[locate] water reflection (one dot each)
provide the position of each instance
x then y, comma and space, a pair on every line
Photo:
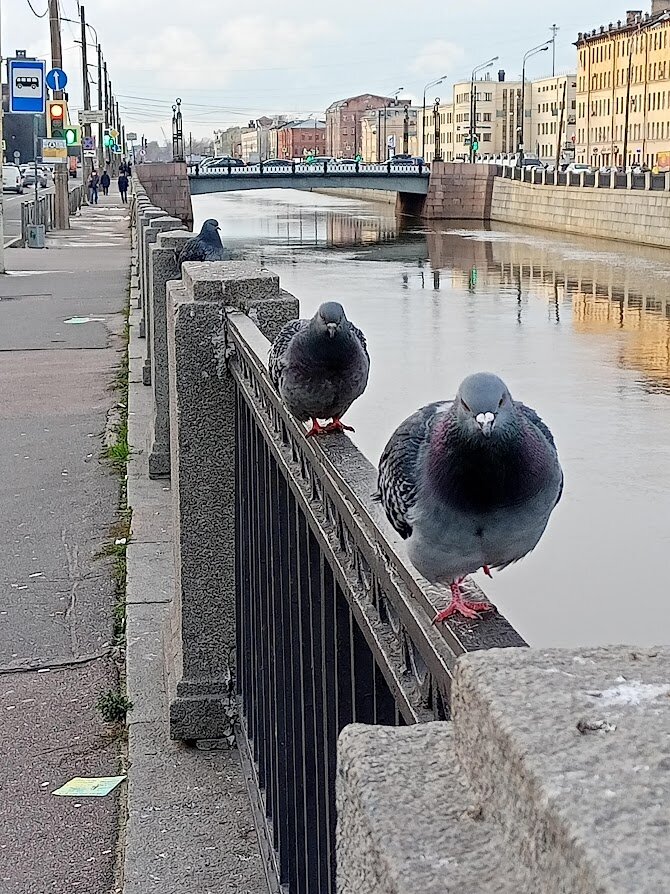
578, 328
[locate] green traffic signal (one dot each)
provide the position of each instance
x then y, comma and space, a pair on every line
70, 136
107, 139
475, 146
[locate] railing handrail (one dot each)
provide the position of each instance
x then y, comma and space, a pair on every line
320, 169
438, 648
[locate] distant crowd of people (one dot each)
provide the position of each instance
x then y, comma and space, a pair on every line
103, 181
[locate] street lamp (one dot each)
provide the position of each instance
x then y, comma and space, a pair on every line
423, 118
473, 101
541, 48
386, 107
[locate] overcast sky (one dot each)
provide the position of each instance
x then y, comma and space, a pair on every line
231, 61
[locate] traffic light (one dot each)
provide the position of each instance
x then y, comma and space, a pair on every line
72, 135
107, 139
475, 145
56, 117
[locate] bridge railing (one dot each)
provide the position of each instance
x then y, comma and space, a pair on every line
592, 179
316, 168
296, 613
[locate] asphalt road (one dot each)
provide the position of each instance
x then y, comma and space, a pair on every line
58, 502
12, 207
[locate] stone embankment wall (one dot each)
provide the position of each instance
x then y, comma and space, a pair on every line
166, 185
628, 215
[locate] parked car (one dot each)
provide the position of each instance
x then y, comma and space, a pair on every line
29, 178
576, 167
11, 178
277, 163
319, 159
346, 161
223, 161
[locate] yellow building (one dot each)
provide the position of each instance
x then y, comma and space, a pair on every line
388, 131
623, 90
553, 118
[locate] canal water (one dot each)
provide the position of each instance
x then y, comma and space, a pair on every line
579, 329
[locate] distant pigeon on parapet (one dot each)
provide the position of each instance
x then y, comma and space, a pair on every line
470, 484
206, 246
319, 367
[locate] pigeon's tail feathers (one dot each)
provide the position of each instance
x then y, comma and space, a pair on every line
401, 463
276, 357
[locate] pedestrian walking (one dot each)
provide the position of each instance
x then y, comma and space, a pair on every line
123, 187
93, 182
105, 182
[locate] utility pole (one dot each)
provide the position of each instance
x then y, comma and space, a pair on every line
107, 124
560, 125
86, 87
61, 205
554, 31
101, 127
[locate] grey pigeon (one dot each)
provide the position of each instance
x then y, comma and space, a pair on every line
206, 246
470, 484
320, 366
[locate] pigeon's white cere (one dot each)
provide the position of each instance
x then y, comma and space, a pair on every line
485, 418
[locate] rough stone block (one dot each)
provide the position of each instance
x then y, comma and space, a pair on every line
235, 281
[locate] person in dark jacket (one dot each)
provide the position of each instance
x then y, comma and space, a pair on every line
93, 182
105, 182
123, 187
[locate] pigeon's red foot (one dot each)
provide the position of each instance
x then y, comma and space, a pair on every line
487, 571
317, 429
458, 605
337, 425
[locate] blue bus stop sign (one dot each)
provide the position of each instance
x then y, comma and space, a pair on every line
56, 79
26, 86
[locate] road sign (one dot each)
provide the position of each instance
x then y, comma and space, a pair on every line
89, 154
132, 136
91, 116
113, 133
88, 144
55, 150
26, 86
56, 79
390, 142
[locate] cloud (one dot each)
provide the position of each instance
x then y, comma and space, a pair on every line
437, 58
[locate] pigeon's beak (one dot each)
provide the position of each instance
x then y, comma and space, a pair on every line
485, 421
332, 329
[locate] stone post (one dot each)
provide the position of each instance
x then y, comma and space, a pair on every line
156, 226
647, 180
145, 214
202, 443
163, 267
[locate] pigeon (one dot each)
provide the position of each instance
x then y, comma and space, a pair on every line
206, 246
470, 484
319, 367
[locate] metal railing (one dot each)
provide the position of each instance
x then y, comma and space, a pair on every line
45, 210
332, 626
336, 168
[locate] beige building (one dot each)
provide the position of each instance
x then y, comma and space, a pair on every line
553, 118
623, 90
497, 119
228, 142
249, 144
389, 131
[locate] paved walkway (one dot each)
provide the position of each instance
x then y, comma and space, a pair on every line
58, 503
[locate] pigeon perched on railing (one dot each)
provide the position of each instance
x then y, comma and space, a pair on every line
319, 367
470, 484
206, 246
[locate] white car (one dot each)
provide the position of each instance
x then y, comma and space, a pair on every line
576, 167
11, 179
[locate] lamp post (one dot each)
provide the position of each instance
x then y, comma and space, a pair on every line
386, 107
540, 48
473, 101
423, 115
437, 155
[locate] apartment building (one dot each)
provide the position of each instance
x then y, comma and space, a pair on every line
343, 123
301, 138
388, 131
623, 90
497, 119
552, 131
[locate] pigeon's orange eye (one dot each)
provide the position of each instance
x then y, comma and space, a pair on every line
465, 405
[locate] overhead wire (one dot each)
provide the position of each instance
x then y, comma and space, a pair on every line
38, 15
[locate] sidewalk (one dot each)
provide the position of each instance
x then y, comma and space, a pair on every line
190, 829
61, 325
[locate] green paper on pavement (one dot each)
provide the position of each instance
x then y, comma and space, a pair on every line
93, 786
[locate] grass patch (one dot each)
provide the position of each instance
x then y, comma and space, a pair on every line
113, 706
118, 452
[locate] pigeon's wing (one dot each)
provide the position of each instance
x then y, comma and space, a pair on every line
399, 466
192, 251
359, 335
276, 361
535, 419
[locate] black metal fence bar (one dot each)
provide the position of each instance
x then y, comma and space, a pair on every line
333, 628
